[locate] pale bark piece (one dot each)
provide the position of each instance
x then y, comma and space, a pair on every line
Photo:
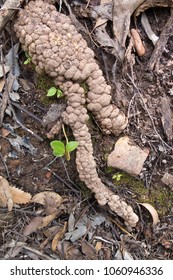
152, 211
167, 179
127, 156
166, 117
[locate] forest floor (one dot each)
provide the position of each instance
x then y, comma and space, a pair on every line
81, 228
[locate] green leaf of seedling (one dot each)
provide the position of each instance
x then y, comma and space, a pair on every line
52, 91
58, 148
59, 93
117, 176
27, 54
27, 61
71, 146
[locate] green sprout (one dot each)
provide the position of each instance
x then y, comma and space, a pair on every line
54, 91
117, 176
28, 58
60, 149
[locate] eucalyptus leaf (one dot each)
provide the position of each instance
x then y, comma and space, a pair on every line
71, 146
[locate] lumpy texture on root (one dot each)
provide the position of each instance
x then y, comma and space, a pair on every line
58, 49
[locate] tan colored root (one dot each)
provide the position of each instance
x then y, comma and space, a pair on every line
59, 50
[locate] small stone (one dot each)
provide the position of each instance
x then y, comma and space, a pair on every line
127, 156
167, 179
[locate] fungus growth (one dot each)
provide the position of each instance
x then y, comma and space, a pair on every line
58, 49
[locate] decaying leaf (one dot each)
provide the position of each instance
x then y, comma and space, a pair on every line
5, 194
10, 195
44, 197
58, 237
19, 196
48, 219
88, 250
152, 211
32, 226
98, 246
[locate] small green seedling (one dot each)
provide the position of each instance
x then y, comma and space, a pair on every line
54, 91
117, 176
60, 149
28, 58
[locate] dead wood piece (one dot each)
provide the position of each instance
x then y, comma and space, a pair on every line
166, 117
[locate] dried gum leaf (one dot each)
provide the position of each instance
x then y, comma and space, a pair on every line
152, 211
58, 237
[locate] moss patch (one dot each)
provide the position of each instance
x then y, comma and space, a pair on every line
44, 83
158, 196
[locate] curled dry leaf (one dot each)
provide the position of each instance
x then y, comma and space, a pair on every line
152, 211
5, 194
10, 195
137, 42
44, 197
46, 220
58, 236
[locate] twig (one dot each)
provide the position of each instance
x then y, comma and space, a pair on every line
63, 181
161, 43
145, 107
4, 163
21, 108
45, 257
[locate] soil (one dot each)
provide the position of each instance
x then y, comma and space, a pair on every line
148, 103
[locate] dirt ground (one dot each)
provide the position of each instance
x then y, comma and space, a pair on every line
96, 232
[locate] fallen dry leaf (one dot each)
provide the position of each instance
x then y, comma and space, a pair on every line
42, 197
89, 251
10, 195
98, 246
46, 220
32, 226
152, 211
58, 236
19, 196
5, 194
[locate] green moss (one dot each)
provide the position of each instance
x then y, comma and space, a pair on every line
158, 196
44, 83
